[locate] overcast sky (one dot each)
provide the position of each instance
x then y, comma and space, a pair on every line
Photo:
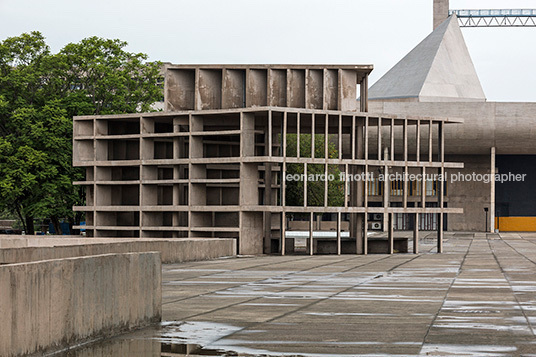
378, 32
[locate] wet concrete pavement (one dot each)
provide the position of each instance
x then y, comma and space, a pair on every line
478, 298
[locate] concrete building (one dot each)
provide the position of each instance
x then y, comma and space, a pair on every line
213, 164
438, 78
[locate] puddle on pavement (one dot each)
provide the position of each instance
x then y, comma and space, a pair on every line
177, 339
170, 339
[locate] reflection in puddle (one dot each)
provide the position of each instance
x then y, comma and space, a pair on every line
167, 339
177, 339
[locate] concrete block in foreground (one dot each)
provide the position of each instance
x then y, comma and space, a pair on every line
19, 249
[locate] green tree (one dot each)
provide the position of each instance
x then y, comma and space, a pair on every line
315, 189
40, 92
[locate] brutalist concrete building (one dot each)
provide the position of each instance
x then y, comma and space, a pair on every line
497, 138
214, 163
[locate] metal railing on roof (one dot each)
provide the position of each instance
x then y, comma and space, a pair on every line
496, 17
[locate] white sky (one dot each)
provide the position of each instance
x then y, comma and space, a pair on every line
378, 32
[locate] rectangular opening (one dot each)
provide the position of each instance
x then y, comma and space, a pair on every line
335, 186
118, 173
118, 195
305, 139
163, 125
349, 137
123, 127
215, 146
292, 129
127, 149
294, 188
163, 149
182, 124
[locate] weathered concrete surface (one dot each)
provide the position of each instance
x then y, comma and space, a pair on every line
478, 298
16, 249
506, 126
439, 69
49, 305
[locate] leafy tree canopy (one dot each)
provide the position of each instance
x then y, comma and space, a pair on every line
40, 92
315, 189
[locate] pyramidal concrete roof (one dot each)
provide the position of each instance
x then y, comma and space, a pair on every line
438, 69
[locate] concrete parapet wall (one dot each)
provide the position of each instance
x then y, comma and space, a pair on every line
49, 305
17, 250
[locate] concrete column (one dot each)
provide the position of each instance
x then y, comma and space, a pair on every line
363, 99
359, 192
365, 233
339, 233
386, 189
391, 236
492, 193
267, 201
311, 230
440, 232
416, 234
441, 12
359, 236
283, 231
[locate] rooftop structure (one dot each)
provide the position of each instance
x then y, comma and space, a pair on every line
330, 87
495, 138
437, 69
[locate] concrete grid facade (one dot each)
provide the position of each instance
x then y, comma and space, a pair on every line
212, 164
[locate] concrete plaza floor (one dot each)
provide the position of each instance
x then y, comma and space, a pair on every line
477, 298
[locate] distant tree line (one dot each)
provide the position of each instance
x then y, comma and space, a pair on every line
40, 92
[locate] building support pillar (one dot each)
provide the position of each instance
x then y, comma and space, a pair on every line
440, 232
339, 233
391, 235
492, 192
359, 237
283, 232
416, 234
311, 230
267, 201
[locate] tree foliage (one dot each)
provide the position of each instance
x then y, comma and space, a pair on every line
40, 92
315, 188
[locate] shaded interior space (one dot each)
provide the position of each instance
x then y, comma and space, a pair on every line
514, 199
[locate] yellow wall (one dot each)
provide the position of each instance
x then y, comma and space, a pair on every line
516, 224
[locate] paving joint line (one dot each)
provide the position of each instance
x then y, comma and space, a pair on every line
326, 298
511, 287
261, 280
446, 295
245, 268
304, 284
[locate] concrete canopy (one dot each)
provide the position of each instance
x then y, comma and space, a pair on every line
438, 69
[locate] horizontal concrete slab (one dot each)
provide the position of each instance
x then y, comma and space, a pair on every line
16, 249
